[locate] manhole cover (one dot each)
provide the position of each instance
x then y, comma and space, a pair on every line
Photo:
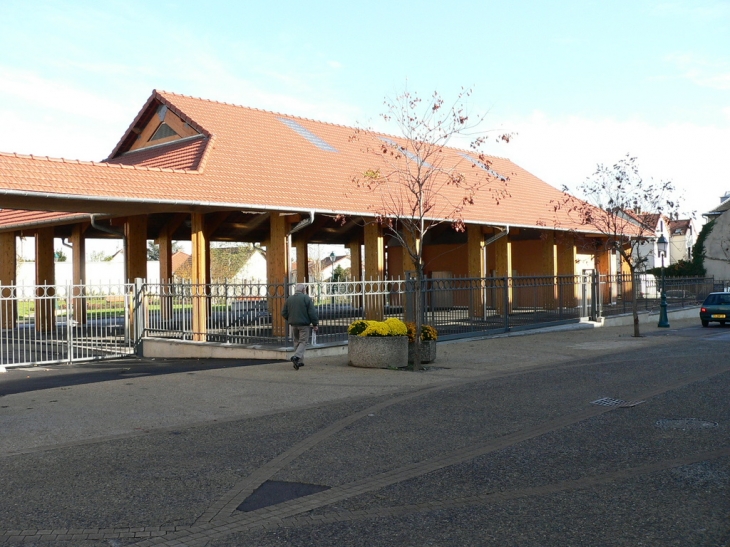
273, 492
685, 423
608, 401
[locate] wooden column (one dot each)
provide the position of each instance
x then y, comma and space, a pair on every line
302, 259
355, 260
374, 271
566, 256
475, 268
277, 270
135, 230
603, 268
548, 267
78, 244
199, 276
503, 259
45, 274
8, 276
164, 241
355, 268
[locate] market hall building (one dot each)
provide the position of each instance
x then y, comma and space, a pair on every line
203, 171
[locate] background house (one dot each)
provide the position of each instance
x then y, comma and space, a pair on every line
682, 237
717, 242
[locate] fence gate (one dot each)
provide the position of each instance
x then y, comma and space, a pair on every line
44, 324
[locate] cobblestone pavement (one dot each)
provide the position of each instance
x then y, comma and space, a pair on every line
565, 438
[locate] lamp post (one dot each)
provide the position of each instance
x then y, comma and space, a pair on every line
332, 275
662, 245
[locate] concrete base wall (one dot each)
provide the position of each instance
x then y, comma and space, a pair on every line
183, 349
650, 317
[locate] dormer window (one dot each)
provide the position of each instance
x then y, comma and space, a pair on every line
163, 132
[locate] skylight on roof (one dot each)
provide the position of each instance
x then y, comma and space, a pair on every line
411, 156
311, 137
482, 165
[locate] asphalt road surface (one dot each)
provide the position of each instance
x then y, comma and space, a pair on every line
567, 438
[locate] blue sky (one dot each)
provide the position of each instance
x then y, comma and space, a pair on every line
581, 82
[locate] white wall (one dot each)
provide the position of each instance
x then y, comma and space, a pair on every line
97, 273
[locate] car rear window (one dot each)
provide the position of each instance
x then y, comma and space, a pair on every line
715, 299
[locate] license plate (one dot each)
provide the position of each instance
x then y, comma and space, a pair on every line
718, 316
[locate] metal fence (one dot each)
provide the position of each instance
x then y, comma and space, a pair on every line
43, 324
52, 324
617, 292
242, 313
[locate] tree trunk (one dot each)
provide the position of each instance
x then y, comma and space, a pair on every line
417, 308
635, 303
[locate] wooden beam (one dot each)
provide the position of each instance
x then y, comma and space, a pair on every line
374, 271
503, 259
135, 230
475, 268
302, 249
78, 244
277, 269
8, 269
213, 221
45, 274
199, 277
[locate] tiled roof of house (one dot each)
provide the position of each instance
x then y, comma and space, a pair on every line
21, 218
679, 227
253, 158
184, 154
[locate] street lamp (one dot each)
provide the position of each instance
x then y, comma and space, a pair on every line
332, 275
662, 245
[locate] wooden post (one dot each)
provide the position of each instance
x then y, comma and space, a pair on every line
374, 271
45, 274
566, 256
503, 259
135, 230
78, 244
8, 268
165, 243
199, 277
355, 269
475, 268
548, 299
277, 270
302, 259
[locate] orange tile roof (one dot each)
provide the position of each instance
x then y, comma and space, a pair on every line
184, 154
253, 158
21, 218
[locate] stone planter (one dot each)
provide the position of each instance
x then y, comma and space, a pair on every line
428, 351
377, 351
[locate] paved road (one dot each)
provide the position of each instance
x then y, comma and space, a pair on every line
500, 443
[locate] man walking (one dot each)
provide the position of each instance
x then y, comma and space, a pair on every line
299, 312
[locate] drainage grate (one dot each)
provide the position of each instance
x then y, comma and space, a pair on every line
273, 492
608, 401
685, 423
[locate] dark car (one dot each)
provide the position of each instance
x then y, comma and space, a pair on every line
716, 307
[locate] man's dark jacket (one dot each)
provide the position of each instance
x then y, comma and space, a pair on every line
299, 310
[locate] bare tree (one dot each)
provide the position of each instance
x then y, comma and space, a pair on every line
419, 182
618, 201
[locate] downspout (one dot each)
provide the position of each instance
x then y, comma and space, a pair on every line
110, 230
302, 223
